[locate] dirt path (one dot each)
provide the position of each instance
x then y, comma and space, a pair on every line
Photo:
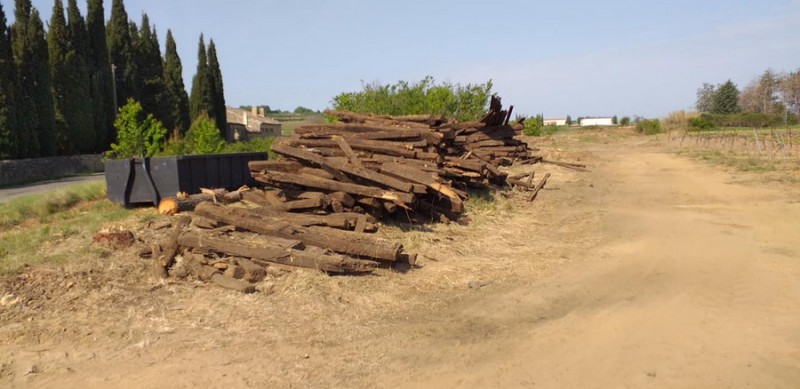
649, 271
696, 284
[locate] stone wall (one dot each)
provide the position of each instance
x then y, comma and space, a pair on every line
40, 169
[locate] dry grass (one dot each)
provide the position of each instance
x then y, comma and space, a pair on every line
56, 226
45, 206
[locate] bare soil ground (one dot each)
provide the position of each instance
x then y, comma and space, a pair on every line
650, 270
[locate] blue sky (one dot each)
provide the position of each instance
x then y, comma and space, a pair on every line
582, 58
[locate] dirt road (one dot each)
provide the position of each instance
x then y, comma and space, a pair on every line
649, 271
696, 284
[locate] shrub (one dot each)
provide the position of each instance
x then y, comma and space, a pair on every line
648, 126
535, 128
677, 121
253, 145
625, 121
462, 102
746, 119
137, 135
203, 137
699, 124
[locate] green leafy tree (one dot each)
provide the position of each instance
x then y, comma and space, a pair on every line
201, 98
203, 137
138, 134
100, 81
177, 100
625, 121
8, 77
36, 119
705, 97
726, 99
614, 120
569, 120
768, 85
303, 110
790, 91
121, 52
217, 88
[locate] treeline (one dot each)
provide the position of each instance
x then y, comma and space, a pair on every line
60, 89
462, 102
768, 100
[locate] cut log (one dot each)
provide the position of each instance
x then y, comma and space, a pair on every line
344, 221
173, 205
169, 247
340, 241
313, 258
344, 198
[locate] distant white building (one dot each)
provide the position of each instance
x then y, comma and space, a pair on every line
597, 122
555, 122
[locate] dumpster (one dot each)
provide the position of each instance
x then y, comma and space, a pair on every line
148, 180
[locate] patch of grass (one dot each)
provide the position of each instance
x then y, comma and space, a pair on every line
733, 160
45, 206
486, 202
648, 127
56, 236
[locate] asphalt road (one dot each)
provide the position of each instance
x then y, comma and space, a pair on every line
14, 192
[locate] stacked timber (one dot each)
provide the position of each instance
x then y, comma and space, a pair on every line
418, 167
234, 246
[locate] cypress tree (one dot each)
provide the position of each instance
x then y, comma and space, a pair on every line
58, 43
8, 78
100, 83
120, 50
43, 91
201, 100
177, 101
25, 134
36, 122
80, 112
218, 91
150, 70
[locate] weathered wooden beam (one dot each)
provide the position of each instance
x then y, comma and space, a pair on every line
340, 241
169, 247
338, 165
276, 166
334, 186
264, 251
344, 221
538, 187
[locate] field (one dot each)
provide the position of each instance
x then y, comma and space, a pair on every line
649, 269
774, 153
291, 121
